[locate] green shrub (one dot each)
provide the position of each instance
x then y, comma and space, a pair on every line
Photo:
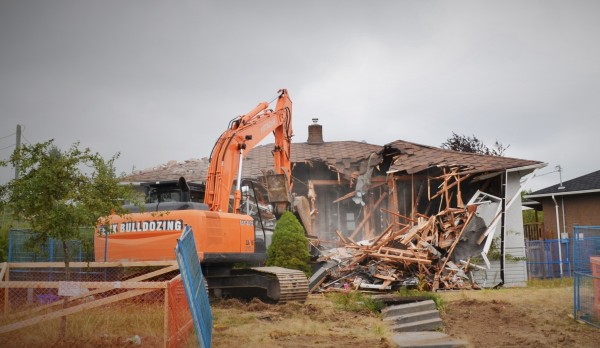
289, 248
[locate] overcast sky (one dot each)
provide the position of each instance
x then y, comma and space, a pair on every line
160, 80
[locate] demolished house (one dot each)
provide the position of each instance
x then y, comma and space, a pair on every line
403, 213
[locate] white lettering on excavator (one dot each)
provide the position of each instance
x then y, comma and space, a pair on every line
148, 226
246, 223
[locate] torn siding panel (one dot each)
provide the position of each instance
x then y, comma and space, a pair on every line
513, 274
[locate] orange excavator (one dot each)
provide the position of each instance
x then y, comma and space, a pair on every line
224, 232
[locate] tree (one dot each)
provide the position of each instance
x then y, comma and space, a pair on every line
59, 193
472, 144
290, 248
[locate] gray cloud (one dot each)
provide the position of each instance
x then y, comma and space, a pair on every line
158, 80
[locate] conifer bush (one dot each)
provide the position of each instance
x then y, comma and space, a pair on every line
289, 248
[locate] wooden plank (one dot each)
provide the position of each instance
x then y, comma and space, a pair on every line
416, 229
367, 216
385, 232
166, 335
410, 253
344, 197
98, 291
396, 250
3, 267
403, 258
342, 237
94, 285
391, 237
398, 215
384, 277
326, 182
72, 310
393, 198
6, 291
386, 284
447, 187
471, 214
92, 264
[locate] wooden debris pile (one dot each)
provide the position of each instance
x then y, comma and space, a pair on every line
417, 253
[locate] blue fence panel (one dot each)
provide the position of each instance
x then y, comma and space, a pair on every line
586, 298
195, 287
586, 244
51, 251
544, 260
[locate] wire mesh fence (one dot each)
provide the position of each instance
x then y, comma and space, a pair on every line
586, 244
586, 300
195, 287
94, 304
550, 258
52, 250
586, 282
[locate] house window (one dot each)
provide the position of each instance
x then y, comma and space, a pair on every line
350, 223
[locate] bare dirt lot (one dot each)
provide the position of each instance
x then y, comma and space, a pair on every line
317, 323
518, 317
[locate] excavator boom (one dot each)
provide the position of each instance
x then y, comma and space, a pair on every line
242, 135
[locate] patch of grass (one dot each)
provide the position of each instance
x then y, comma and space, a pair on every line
355, 301
550, 283
436, 298
107, 326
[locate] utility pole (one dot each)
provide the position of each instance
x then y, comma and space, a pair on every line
17, 148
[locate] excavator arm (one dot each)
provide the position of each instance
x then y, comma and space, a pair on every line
242, 135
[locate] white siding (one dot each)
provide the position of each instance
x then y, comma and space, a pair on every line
515, 269
513, 274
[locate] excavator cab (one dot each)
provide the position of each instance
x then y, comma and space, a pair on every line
173, 191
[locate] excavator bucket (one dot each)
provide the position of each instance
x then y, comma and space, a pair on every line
280, 197
278, 191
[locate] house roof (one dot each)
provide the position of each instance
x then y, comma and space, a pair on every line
193, 170
345, 157
588, 183
413, 158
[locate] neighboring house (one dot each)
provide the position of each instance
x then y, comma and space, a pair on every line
575, 202
359, 189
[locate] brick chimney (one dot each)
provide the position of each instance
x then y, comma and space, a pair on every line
315, 133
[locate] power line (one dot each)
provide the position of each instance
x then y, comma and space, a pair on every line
26, 140
4, 148
554, 171
6, 136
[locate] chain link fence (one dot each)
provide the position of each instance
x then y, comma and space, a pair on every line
21, 250
586, 283
94, 304
546, 260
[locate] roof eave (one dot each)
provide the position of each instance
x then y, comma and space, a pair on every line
529, 167
568, 193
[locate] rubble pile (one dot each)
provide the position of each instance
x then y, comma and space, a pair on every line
418, 253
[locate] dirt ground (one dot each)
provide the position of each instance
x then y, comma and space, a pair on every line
316, 323
518, 317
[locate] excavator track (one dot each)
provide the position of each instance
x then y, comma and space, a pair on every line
293, 284
270, 284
